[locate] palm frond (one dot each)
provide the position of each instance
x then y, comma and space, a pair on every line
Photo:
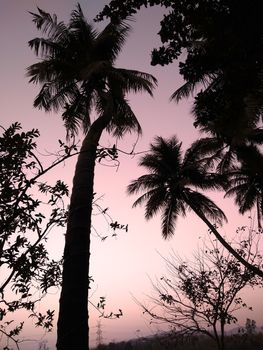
48, 24
44, 47
227, 161
164, 159
110, 41
247, 199
207, 80
205, 205
174, 208
42, 100
133, 81
123, 120
168, 153
62, 94
77, 114
207, 151
245, 192
207, 181
83, 31
144, 182
236, 188
184, 91
43, 20
152, 163
155, 202
169, 218
143, 199
41, 72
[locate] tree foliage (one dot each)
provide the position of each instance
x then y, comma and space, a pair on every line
202, 296
77, 72
30, 209
221, 42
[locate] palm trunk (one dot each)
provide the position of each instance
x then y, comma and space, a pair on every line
259, 215
212, 228
73, 331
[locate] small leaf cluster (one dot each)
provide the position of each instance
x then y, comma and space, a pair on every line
101, 308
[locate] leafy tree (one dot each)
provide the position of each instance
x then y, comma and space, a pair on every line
26, 221
77, 74
202, 296
222, 46
250, 326
30, 210
170, 187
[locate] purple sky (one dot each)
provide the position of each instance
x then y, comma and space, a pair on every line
120, 266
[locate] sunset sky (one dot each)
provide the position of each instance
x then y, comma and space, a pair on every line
120, 266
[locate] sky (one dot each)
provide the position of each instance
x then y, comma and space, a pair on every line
120, 266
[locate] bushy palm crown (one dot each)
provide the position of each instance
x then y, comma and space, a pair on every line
220, 153
77, 72
246, 181
171, 185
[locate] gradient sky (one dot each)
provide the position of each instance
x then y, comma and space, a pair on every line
120, 266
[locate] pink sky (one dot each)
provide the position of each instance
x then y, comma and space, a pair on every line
120, 266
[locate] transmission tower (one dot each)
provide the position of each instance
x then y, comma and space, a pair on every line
99, 337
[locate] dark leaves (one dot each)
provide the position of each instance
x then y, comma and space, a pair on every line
169, 186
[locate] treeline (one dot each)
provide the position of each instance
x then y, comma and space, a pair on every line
169, 341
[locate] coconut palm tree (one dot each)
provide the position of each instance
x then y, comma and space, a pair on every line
170, 186
220, 152
246, 181
77, 75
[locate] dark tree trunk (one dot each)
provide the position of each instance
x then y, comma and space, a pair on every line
259, 215
212, 228
73, 331
222, 335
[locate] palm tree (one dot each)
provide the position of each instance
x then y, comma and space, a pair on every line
76, 73
171, 187
246, 181
221, 152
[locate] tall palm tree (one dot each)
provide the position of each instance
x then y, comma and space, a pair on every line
246, 181
170, 186
77, 75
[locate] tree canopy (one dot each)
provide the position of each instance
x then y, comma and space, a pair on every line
222, 44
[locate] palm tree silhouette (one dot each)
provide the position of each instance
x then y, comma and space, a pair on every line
246, 181
221, 151
171, 187
76, 73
